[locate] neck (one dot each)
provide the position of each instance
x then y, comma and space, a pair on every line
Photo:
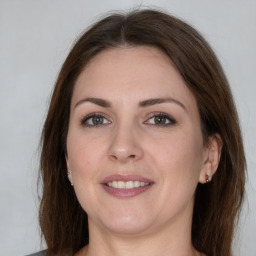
168, 240
139, 246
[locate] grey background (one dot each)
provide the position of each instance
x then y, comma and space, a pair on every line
35, 37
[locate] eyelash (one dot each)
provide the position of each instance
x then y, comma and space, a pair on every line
171, 120
84, 121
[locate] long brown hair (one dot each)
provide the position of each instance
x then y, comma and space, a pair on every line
217, 204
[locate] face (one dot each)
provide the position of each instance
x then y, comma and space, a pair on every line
134, 146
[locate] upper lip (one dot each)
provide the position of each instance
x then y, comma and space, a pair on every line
125, 177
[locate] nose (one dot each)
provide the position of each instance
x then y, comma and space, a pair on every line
125, 145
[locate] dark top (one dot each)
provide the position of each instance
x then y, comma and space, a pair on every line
41, 253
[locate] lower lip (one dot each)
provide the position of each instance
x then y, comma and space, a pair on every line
126, 193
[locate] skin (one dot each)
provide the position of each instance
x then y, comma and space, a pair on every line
129, 140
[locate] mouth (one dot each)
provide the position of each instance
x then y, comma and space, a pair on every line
126, 186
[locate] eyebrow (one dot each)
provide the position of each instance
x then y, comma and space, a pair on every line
150, 102
100, 102
144, 103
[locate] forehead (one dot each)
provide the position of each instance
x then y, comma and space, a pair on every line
124, 61
130, 52
131, 73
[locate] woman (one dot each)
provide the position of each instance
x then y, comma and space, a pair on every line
141, 148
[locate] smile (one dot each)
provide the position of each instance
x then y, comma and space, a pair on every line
127, 184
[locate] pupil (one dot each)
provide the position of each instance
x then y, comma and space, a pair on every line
97, 120
160, 120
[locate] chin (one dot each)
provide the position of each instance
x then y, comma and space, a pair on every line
127, 225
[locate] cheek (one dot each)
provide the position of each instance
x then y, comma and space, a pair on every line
81, 148
179, 156
84, 163
82, 158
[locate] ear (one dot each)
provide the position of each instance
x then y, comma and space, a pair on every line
69, 173
212, 154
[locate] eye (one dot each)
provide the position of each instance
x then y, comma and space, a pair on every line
161, 119
94, 120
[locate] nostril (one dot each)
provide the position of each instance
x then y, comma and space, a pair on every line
114, 157
120, 157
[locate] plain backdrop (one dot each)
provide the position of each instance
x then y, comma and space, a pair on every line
35, 37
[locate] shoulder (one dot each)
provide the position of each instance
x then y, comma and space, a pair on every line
41, 253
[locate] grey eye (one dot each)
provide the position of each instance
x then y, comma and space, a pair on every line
161, 120
95, 120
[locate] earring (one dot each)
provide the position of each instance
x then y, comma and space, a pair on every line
70, 179
208, 178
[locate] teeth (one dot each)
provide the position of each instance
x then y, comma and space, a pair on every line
136, 184
127, 184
